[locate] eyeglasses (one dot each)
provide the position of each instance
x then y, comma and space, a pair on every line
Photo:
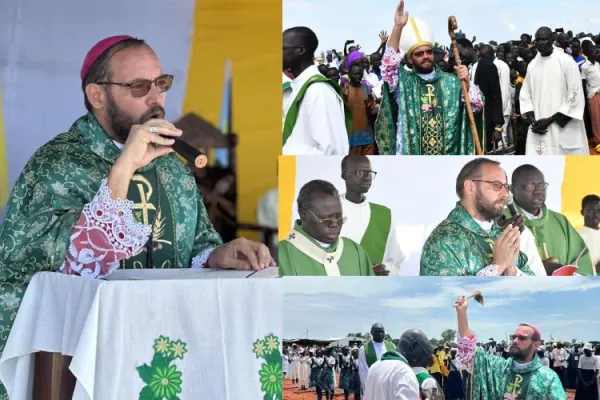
530, 187
420, 54
329, 221
141, 87
496, 185
363, 173
521, 338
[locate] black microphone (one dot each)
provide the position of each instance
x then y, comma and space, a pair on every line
512, 209
190, 153
511, 205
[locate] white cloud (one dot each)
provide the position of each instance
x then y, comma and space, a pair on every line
301, 5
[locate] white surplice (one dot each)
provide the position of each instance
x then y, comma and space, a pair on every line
591, 237
504, 75
363, 367
320, 127
391, 380
553, 84
355, 227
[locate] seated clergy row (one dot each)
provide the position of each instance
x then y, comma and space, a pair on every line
346, 235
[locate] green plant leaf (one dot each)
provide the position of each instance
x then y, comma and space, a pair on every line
274, 357
145, 372
160, 361
147, 394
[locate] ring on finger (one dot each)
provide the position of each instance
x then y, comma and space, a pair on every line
509, 245
153, 129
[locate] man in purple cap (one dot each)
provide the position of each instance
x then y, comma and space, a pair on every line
110, 193
521, 376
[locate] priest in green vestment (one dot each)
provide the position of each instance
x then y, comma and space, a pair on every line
315, 247
372, 351
422, 111
520, 377
470, 241
369, 224
110, 193
556, 239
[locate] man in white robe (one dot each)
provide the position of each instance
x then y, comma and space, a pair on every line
372, 351
590, 209
389, 379
314, 111
369, 224
504, 75
552, 100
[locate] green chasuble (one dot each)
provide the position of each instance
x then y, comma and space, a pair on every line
375, 239
292, 115
63, 176
459, 246
556, 237
301, 255
432, 117
371, 354
493, 377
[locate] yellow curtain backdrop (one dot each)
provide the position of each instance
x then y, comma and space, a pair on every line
249, 33
287, 193
4, 190
579, 181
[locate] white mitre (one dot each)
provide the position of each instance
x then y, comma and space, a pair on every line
416, 33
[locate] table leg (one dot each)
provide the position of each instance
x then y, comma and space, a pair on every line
53, 380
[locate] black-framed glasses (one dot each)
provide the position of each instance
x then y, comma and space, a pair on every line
363, 173
530, 187
141, 87
496, 185
329, 221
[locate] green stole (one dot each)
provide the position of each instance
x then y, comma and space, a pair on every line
493, 377
301, 255
421, 376
393, 355
374, 241
152, 207
460, 246
371, 354
555, 237
292, 114
433, 118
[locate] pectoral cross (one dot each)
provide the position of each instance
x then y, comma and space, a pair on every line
514, 387
491, 243
430, 93
144, 205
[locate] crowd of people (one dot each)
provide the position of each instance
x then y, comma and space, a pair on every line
409, 368
536, 95
344, 234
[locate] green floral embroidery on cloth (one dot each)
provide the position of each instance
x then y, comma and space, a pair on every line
163, 380
271, 373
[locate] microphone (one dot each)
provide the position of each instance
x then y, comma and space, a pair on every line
190, 153
511, 205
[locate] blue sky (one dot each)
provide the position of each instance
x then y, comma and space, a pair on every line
335, 21
563, 308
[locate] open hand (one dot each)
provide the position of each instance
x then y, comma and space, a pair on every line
401, 17
241, 254
383, 36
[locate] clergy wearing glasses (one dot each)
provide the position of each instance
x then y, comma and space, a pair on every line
110, 193
368, 223
558, 243
470, 241
315, 247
